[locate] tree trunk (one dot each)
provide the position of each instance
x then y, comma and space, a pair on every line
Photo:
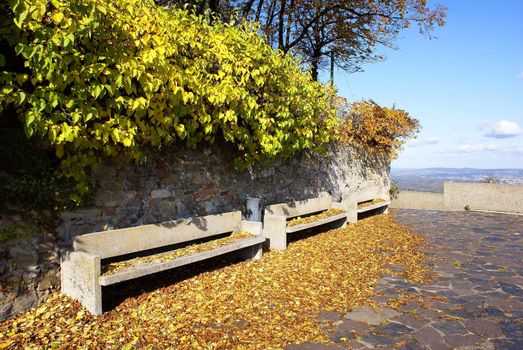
315, 64
281, 24
247, 9
268, 23
259, 10
214, 6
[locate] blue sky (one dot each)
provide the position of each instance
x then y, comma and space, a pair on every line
466, 87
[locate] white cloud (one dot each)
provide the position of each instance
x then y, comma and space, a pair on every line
423, 142
476, 147
504, 129
520, 75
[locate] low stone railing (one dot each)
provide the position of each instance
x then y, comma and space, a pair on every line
507, 198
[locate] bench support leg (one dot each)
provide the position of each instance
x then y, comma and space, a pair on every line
257, 252
79, 274
274, 229
352, 216
352, 211
253, 253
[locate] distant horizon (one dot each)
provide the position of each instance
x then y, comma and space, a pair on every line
433, 179
465, 87
449, 167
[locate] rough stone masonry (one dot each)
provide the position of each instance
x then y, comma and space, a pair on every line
181, 183
174, 183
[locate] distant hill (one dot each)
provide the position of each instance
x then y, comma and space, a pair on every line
432, 179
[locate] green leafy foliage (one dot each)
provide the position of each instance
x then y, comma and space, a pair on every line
394, 190
101, 78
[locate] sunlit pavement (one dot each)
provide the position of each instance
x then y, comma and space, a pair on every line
474, 302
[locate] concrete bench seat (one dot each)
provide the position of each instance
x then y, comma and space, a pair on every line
139, 270
275, 219
373, 207
81, 269
367, 195
319, 222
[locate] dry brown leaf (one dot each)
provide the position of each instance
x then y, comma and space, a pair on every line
299, 220
264, 304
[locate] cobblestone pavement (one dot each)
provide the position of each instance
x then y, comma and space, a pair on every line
475, 302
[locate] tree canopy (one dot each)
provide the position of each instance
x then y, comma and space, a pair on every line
109, 77
99, 78
352, 30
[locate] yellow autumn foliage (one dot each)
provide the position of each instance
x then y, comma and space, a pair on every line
380, 130
105, 77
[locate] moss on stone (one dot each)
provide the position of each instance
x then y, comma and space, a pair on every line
10, 233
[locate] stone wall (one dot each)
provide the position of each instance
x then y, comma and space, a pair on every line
506, 198
29, 262
484, 196
419, 200
181, 183
172, 184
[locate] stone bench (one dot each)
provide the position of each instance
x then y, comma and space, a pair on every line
276, 216
81, 269
367, 195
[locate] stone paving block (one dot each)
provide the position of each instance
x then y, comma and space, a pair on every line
349, 329
512, 328
376, 340
330, 316
428, 336
464, 313
381, 299
484, 328
457, 340
354, 345
313, 346
370, 315
412, 345
429, 314
392, 329
440, 346
511, 289
413, 321
506, 304
450, 327
409, 306
508, 344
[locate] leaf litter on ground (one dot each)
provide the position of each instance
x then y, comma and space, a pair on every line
263, 304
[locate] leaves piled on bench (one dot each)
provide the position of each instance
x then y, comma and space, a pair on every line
369, 203
263, 304
299, 220
173, 254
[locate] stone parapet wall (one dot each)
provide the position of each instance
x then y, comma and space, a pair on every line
506, 198
181, 183
484, 196
418, 200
